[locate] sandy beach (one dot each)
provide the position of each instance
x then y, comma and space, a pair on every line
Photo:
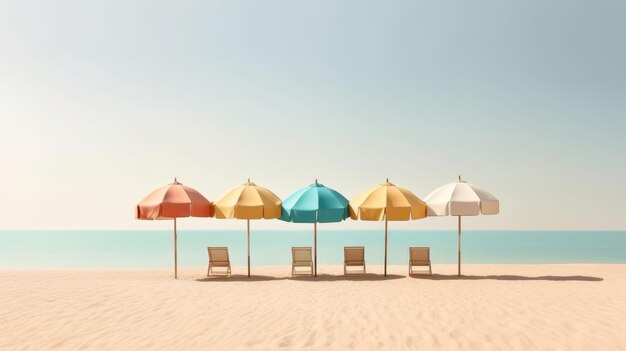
493, 307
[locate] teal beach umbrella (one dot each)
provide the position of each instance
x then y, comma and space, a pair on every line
315, 204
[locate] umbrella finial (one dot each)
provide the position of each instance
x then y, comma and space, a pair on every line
176, 181
387, 181
248, 180
316, 181
460, 178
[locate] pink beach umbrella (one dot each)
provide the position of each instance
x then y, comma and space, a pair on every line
174, 201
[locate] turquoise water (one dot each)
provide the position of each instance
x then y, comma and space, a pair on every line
136, 249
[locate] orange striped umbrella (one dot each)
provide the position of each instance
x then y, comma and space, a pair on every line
174, 201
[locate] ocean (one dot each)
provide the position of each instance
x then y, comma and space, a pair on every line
36, 249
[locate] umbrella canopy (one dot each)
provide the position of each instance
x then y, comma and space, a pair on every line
315, 204
461, 199
174, 201
389, 203
248, 201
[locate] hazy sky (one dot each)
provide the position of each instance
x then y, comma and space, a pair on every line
103, 101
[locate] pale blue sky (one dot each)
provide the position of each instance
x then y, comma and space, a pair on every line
103, 101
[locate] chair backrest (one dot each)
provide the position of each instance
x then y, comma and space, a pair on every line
218, 254
419, 254
301, 254
354, 253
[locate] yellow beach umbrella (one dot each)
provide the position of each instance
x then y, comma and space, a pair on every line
389, 203
248, 201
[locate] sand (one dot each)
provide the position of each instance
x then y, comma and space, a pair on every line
494, 307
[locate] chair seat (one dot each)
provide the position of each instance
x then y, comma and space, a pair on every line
302, 263
220, 264
219, 269
360, 270
306, 269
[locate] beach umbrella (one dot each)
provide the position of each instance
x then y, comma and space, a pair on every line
389, 203
248, 201
315, 204
174, 201
461, 199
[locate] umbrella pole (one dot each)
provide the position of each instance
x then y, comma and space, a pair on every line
385, 246
248, 248
315, 245
459, 258
175, 253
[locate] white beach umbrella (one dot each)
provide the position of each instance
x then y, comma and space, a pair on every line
461, 199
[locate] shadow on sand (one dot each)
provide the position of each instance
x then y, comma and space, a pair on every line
319, 278
333, 278
556, 278
380, 277
240, 278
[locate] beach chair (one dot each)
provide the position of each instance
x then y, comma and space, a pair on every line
219, 263
419, 257
354, 256
301, 261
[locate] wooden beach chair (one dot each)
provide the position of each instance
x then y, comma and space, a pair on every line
354, 256
419, 257
301, 261
219, 263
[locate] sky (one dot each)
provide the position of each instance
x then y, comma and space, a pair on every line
103, 101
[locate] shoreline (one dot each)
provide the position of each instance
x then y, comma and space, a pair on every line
373, 269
